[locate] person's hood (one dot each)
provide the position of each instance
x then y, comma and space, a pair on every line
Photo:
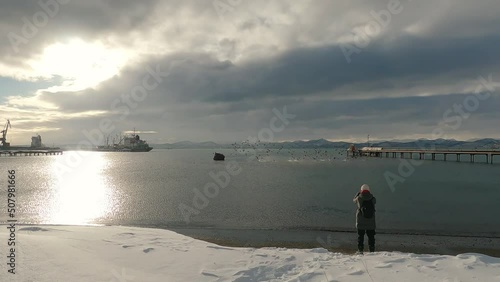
366, 195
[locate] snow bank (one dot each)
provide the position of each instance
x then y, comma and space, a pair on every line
127, 254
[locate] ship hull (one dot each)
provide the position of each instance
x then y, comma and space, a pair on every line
123, 149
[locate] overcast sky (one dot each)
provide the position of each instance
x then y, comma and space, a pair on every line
74, 70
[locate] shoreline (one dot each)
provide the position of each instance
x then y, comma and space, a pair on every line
346, 242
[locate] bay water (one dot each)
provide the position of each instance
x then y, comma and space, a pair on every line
295, 189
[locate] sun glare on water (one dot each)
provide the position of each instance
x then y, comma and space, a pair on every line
82, 194
80, 64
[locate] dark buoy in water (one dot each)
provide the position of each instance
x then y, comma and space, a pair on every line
219, 157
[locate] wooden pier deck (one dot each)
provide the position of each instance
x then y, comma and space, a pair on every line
424, 154
30, 152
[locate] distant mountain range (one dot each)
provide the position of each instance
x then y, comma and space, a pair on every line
187, 145
486, 143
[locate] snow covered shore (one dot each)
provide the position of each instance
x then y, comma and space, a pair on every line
127, 254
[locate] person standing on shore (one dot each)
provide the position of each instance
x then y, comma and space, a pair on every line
365, 217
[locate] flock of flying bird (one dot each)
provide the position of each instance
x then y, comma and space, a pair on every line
265, 151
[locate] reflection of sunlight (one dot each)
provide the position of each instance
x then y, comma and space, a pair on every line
82, 194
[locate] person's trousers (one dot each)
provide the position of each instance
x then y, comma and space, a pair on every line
361, 239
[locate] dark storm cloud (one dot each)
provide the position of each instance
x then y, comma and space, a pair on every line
309, 71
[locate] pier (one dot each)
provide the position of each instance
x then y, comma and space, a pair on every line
12, 153
427, 154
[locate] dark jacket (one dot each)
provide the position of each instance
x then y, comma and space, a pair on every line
362, 222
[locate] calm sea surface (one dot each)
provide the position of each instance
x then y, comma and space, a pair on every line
287, 190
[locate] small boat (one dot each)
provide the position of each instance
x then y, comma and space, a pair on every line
219, 157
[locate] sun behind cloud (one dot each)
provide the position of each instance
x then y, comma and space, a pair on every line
81, 64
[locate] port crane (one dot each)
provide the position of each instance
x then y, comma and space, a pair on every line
3, 140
